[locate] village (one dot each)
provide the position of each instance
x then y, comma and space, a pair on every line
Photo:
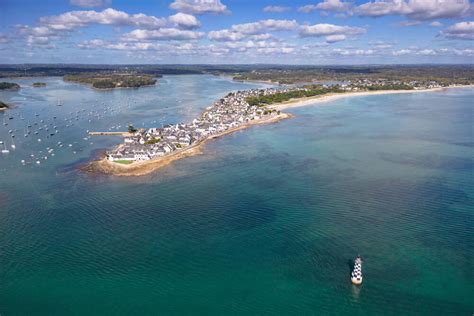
229, 112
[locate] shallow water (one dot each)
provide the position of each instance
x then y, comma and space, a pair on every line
266, 221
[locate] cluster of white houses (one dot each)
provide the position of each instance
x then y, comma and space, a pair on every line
228, 112
364, 84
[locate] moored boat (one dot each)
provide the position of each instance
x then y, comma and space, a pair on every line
356, 275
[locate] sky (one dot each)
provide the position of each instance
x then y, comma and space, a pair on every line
326, 32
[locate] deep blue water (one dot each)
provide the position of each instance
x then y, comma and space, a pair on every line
266, 221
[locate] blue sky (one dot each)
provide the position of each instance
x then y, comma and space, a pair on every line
237, 31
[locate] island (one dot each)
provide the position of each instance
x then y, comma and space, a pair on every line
39, 84
9, 86
146, 150
112, 81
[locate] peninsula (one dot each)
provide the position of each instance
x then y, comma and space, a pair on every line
146, 150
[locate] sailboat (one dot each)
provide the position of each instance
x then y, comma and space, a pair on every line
59, 103
5, 151
13, 144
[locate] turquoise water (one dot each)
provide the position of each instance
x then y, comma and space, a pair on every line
266, 221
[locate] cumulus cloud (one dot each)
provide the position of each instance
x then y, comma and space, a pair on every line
307, 8
276, 9
256, 29
324, 29
333, 5
162, 34
74, 19
415, 9
327, 6
461, 30
463, 52
199, 6
91, 3
353, 52
335, 38
269, 25
185, 21
37, 36
333, 33
226, 36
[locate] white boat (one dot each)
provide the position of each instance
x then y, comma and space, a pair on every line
5, 151
356, 275
13, 144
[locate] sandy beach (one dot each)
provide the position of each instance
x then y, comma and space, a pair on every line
140, 168
335, 96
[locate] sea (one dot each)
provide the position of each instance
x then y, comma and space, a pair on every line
266, 221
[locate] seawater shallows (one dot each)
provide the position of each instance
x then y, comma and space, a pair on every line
266, 221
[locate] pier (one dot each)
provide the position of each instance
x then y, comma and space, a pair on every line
124, 134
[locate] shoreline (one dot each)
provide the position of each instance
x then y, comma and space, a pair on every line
104, 166
107, 167
336, 96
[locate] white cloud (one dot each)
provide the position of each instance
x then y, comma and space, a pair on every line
185, 21
381, 45
162, 34
436, 24
333, 5
408, 23
276, 50
276, 9
335, 38
415, 9
253, 30
353, 52
265, 26
74, 19
402, 52
464, 52
225, 35
461, 30
91, 3
307, 8
199, 6
329, 29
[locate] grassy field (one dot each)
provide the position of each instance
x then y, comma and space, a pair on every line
124, 162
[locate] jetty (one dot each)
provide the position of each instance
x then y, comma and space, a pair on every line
124, 134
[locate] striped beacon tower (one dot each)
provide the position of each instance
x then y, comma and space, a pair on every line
356, 275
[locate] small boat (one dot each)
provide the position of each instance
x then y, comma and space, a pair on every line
5, 151
356, 275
